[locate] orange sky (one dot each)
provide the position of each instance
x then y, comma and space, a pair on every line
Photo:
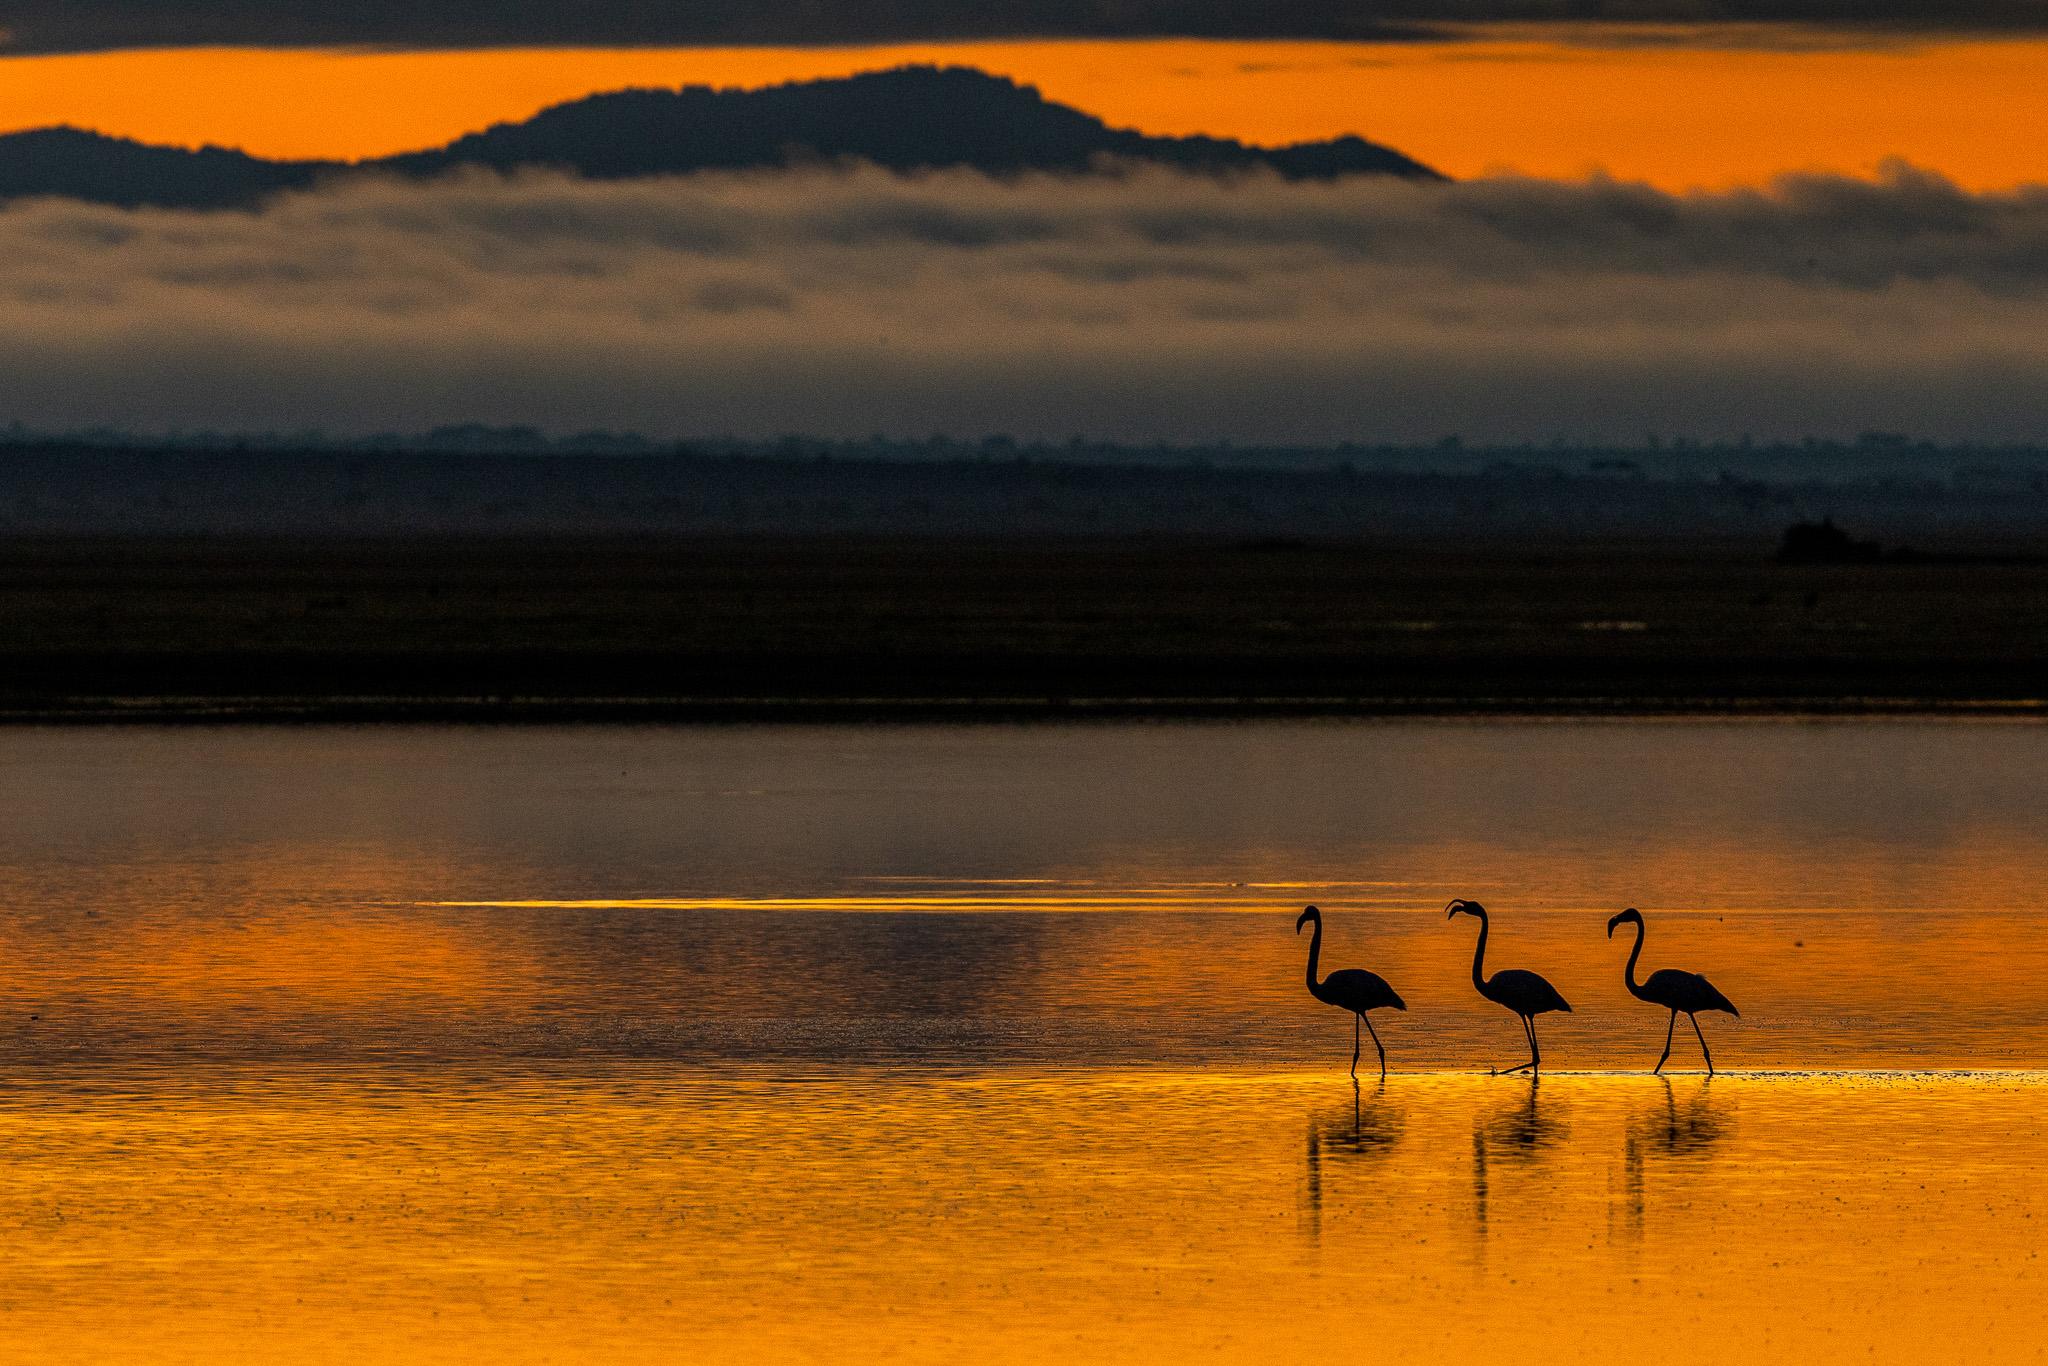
1676, 116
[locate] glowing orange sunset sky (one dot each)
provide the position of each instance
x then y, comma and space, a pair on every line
1677, 116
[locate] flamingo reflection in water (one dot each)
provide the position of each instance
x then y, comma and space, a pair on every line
1518, 1133
1667, 1132
1368, 1131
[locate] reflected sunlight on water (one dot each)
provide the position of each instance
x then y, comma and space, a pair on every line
641, 1215
770, 1044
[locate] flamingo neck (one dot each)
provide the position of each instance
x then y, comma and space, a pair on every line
1315, 949
1479, 956
1628, 975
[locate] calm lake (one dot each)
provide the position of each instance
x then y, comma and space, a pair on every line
926, 1042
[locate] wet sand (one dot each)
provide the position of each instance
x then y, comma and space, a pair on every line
821, 627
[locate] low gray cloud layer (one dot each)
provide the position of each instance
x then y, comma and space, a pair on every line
84, 25
1152, 306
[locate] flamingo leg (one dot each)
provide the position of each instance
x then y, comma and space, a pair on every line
1667, 1045
1702, 1038
1528, 1033
1535, 1053
1376, 1044
1355, 1018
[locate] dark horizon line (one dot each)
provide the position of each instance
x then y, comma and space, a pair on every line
514, 439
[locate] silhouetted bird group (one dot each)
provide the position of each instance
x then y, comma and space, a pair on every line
1525, 993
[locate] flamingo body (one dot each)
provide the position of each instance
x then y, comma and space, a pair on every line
1525, 993
1686, 991
1357, 990
1352, 989
1676, 991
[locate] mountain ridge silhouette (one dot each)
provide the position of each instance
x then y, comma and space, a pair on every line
904, 119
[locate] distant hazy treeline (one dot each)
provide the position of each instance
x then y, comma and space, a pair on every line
517, 481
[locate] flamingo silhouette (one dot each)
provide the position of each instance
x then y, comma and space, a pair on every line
1352, 989
1672, 989
1522, 992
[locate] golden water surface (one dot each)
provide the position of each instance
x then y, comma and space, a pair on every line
921, 1044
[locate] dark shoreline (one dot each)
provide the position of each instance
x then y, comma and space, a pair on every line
545, 630
197, 713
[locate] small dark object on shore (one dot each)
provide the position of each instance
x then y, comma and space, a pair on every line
1823, 542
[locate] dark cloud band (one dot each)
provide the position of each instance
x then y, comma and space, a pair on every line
1151, 306
86, 25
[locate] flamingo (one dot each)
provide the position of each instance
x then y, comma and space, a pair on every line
1522, 992
1352, 989
1672, 989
